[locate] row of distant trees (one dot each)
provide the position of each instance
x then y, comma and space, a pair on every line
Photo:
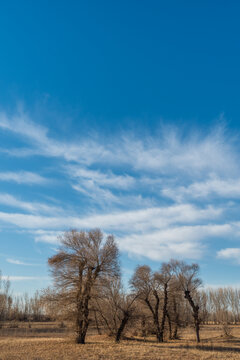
88, 289
19, 308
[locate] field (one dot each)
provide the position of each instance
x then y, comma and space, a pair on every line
53, 341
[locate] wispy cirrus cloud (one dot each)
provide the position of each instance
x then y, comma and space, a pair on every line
21, 124
95, 192
24, 278
150, 189
156, 233
213, 186
170, 153
19, 262
138, 220
94, 166
32, 207
167, 153
103, 179
23, 177
42, 144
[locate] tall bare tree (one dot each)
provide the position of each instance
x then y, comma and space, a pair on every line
163, 278
145, 287
189, 281
83, 258
152, 289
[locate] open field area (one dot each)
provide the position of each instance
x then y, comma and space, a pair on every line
49, 341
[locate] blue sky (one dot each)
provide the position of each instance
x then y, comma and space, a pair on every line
124, 116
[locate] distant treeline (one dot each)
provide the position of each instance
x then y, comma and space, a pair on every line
21, 307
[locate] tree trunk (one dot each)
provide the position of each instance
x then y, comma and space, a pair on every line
195, 309
176, 319
80, 339
97, 325
82, 324
159, 334
155, 317
164, 314
175, 333
143, 327
82, 320
169, 326
122, 326
81, 330
197, 326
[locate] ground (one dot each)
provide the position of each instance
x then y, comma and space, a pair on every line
51, 342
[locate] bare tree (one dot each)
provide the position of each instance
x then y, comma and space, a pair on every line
163, 278
145, 287
189, 282
152, 289
175, 311
115, 307
83, 258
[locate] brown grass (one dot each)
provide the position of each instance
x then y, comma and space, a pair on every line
60, 346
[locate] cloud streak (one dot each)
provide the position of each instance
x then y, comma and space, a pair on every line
157, 233
32, 207
19, 262
217, 187
24, 278
23, 177
138, 220
168, 153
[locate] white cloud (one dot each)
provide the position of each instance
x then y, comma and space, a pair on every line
24, 278
19, 262
22, 177
26, 221
230, 254
183, 168
32, 207
223, 188
42, 144
107, 179
138, 220
167, 153
156, 233
21, 124
175, 242
46, 236
96, 184
171, 153
93, 191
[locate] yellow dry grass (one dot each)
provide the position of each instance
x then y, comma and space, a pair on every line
213, 346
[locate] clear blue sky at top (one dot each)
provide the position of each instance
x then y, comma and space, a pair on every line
118, 60
120, 85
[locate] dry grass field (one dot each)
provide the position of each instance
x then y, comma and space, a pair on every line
48, 341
